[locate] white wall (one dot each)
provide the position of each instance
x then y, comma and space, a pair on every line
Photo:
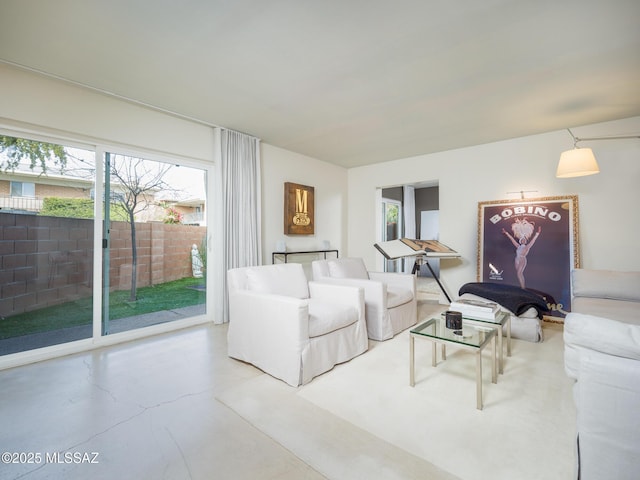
609, 228
35, 106
46, 105
330, 187
33, 103
608, 219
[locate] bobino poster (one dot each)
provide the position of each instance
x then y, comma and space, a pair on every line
532, 244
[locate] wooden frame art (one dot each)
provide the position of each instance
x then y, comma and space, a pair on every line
298, 209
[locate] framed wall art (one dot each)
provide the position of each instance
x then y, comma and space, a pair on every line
298, 209
531, 243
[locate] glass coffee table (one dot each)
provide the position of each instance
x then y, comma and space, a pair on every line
473, 337
503, 318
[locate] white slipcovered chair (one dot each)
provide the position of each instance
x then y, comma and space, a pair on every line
290, 328
390, 298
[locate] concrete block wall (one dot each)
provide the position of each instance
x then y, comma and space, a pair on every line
46, 261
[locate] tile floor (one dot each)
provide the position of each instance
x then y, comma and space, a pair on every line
148, 410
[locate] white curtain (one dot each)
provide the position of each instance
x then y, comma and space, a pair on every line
238, 241
409, 212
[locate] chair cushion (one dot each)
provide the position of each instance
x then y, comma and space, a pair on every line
398, 296
348, 268
284, 279
326, 317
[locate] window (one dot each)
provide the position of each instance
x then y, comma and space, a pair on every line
114, 196
23, 189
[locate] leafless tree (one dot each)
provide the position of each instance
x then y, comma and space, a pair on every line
137, 181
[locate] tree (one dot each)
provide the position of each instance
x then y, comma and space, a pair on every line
77, 208
138, 179
15, 149
172, 216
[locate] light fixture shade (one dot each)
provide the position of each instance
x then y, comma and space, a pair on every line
577, 163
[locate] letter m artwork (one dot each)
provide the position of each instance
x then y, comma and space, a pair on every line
298, 209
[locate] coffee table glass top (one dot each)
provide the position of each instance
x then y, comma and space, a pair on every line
471, 335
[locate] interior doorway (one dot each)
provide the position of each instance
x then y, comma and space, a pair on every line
391, 216
396, 212
428, 222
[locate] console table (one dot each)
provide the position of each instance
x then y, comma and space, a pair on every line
301, 252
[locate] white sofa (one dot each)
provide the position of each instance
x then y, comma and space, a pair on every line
391, 304
602, 353
290, 328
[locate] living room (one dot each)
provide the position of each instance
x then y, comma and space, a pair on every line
49, 107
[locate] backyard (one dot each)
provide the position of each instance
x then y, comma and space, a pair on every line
166, 296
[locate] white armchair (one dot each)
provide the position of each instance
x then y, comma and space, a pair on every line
292, 329
390, 298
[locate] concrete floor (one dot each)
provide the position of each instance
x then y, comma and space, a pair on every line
148, 409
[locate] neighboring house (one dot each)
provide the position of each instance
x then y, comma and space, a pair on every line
24, 191
190, 208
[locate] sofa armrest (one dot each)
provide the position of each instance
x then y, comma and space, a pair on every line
403, 280
343, 293
374, 291
270, 332
277, 315
588, 332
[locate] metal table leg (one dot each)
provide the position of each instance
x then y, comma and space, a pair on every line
412, 366
479, 379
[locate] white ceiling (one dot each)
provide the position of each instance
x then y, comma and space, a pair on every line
350, 82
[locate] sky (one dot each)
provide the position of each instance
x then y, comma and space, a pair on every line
186, 182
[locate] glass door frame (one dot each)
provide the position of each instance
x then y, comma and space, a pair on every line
97, 339
99, 241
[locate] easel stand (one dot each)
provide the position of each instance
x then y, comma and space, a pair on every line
416, 269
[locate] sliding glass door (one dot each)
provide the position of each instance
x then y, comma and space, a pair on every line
46, 244
149, 243
154, 243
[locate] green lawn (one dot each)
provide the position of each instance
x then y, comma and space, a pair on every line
166, 296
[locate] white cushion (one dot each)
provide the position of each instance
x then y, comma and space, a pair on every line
602, 334
526, 326
284, 279
606, 284
621, 310
398, 296
529, 313
325, 317
348, 268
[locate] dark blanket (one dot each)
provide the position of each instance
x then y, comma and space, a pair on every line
512, 298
